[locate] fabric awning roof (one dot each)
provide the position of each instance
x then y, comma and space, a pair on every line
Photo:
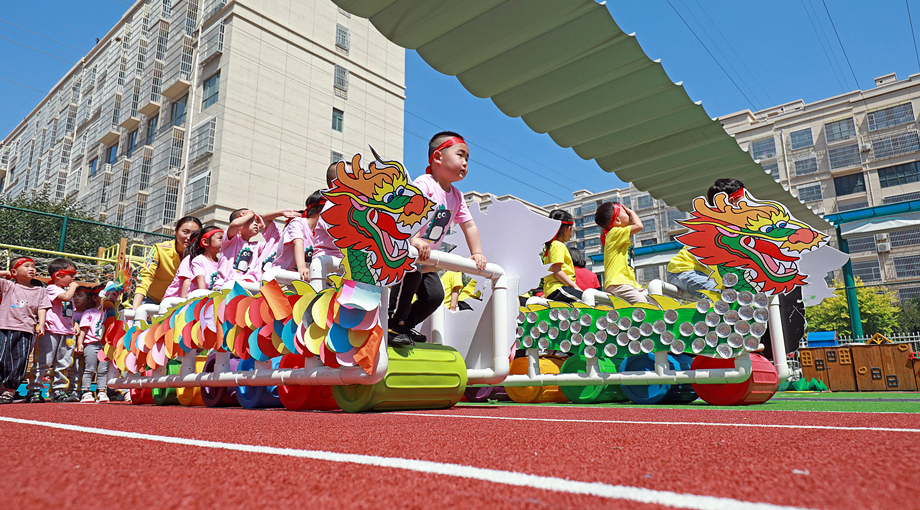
568, 70
880, 225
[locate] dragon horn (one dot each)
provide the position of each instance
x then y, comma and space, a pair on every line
380, 160
376, 155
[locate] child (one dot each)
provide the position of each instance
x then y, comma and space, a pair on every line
559, 284
240, 257
584, 278
183, 274
448, 156
89, 344
204, 253
297, 238
81, 301
455, 292
619, 224
23, 307
54, 349
687, 273
323, 244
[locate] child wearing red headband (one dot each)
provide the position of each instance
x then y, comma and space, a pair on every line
448, 155
687, 273
23, 307
241, 258
559, 284
620, 223
54, 349
297, 238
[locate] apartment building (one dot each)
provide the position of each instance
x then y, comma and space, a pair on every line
205, 106
855, 150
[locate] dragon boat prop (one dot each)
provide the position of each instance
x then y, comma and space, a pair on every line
321, 344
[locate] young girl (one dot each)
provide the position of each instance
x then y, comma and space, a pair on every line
204, 253
297, 238
22, 318
89, 343
560, 284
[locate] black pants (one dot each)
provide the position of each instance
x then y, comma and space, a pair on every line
426, 287
15, 347
565, 294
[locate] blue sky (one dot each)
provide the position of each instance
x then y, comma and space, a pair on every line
775, 52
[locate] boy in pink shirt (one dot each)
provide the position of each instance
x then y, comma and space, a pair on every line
448, 155
54, 349
323, 244
23, 307
297, 238
241, 258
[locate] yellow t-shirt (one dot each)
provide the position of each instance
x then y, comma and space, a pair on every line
450, 280
617, 268
159, 270
557, 253
684, 261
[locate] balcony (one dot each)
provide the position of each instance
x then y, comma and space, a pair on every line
131, 122
150, 108
110, 135
177, 88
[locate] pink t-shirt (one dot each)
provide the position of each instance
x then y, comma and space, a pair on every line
271, 249
298, 228
59, 319
242, 260
19, 306
203, 266
184, 272
91, 321
323, 244
449, 209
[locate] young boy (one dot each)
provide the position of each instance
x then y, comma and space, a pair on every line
323, 244
684, 270
240, 257
448, 156
22, 316
619, 223
54, 349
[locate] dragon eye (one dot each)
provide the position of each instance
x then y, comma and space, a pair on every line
388, 197
400, 190
780, 224
767, 229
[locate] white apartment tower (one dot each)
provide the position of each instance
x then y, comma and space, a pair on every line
206, 106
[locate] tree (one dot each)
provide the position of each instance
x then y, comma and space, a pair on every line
43, 232
909, 318
877, 310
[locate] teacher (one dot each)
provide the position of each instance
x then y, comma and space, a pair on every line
161, 265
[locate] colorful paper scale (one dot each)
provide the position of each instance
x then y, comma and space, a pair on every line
340, 325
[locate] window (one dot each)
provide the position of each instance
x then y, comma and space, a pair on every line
178, 111
909, 293
810, 193
673, 217
211, 90
899, 174
867, 270
335, 157
648, 224
132, 142
862, 204
844, 157
890, 117
801, 139
594, 241
840, 130
806, 166
338, 120
907, 267
110, 154
625, 201
649, 273
152, 129
92, 167
341, 78
589, 207
648, 242
644, 201
590, 231
342, 37
577, 212
849, 184
861, 244
579, 222
904, 197
202, 139
765, 148
773, 168
895, 145
904, 238
580, 245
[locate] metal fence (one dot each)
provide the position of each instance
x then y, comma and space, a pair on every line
53, 232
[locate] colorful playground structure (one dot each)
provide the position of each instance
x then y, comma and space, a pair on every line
321, 344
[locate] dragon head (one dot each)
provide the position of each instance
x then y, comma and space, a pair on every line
758, 237
374, 212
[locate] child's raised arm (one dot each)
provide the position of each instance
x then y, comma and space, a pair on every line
68, 294
234, 228
635, 223
287, 213
471, 233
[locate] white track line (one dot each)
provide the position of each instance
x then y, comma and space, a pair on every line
637, 422
620, 492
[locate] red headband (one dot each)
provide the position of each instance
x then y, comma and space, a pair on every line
63, 272
21, 261
207, 235
562, 226
737, 195
616, 214
447, 143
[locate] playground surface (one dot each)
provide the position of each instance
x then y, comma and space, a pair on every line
799, 450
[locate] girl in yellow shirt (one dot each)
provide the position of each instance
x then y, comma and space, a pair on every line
560, 285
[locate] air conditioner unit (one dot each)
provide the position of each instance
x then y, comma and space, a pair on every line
884, 247
866, 147
881, 238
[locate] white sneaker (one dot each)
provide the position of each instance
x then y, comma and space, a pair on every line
88, 397
102, 397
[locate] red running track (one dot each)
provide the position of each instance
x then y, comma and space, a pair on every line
846, 468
